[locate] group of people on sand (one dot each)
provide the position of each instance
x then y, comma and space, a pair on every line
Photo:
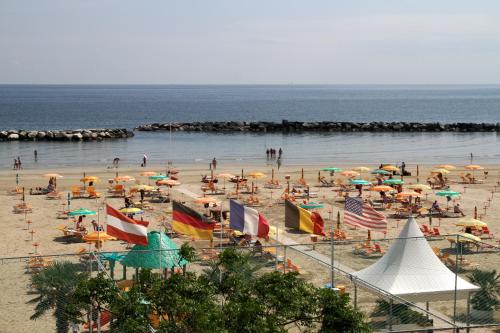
17, 163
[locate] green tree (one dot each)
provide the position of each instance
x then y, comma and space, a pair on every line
486, 299
338, 316
54, 287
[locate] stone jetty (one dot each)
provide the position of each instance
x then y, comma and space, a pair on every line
323, 126
66, 135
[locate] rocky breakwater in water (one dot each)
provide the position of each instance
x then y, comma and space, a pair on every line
66, 135
324, 126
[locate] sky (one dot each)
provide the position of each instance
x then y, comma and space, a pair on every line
250, 42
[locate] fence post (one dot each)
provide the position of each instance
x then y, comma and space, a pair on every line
468, 313
355, 295
456, 279
390, 314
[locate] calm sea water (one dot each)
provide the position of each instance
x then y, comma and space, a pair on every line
70, 107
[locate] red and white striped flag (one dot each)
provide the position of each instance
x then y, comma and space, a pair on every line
359, 214
125, 228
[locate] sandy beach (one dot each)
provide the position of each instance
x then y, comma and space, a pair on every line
18, 241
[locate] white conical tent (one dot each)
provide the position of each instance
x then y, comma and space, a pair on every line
411, 270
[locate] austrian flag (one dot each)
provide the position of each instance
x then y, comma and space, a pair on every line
125, 228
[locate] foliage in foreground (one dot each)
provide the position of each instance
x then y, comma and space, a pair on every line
227, 297
486, 299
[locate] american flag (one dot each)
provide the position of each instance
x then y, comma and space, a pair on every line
359, 214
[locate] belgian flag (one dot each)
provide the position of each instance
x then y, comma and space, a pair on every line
187, 221
302, 219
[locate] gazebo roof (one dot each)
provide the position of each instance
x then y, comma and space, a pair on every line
411, 269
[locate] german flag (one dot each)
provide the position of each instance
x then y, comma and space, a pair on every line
302, 219
189, 222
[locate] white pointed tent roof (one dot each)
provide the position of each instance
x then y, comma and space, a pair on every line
410, 269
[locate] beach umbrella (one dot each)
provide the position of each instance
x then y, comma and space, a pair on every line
82, 211
470, 222
168, 182
380, 172
142, 187
382, 188
131, 210
447, 166
161, 252
390, 168
474, 167
256, 175
52, 175
420, 187
312, 205
464, 237
408, 194
448, 193
158, 177
148, 173
394, 181
441, 170
124, 179
205, 200
88, 179
350, 173
331, 169
359, 182
98, 236
361, 169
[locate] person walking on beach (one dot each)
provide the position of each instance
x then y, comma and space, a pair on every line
278, 162
116, 160
267, 153
15, 164
144, 160
214, 164
36, 155
280, 152
19, 163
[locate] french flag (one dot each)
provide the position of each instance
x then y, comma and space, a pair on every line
125, 228
247, 220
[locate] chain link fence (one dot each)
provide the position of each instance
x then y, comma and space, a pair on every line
383, 311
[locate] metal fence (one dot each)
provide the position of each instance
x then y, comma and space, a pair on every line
384, 312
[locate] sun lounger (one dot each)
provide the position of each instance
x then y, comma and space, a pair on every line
53, 195
76, 192
92, 193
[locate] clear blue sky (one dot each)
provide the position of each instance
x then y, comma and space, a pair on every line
258, 41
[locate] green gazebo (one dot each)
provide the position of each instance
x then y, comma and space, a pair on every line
160, 253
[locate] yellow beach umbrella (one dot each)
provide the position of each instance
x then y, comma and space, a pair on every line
361, 169
257, 175
464, 237
390, 168
441, 170
474, 167
131, 210
447, 166
421, 187
97, 236
350, 173
470, 222
88, 179
142, 187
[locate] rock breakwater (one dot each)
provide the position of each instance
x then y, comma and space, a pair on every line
66, 135
324, 126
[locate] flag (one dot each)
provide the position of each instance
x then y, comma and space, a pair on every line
189, 222
302, 219
125, 228
247, 220
359, 214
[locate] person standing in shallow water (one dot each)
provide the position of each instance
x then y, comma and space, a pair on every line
214, 164
35, 153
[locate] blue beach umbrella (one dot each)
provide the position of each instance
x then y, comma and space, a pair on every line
312, 205
393, 181
359, 182
380, 172
158, 177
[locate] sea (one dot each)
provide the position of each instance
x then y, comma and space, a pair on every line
126, 106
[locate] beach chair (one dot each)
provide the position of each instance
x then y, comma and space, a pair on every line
291, 266
436, 232
486, 233
76, 192
377, 248
92, 193
53, 195
118, 190
425, 230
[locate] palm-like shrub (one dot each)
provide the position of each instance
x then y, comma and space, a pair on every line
54, 287
486, 299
